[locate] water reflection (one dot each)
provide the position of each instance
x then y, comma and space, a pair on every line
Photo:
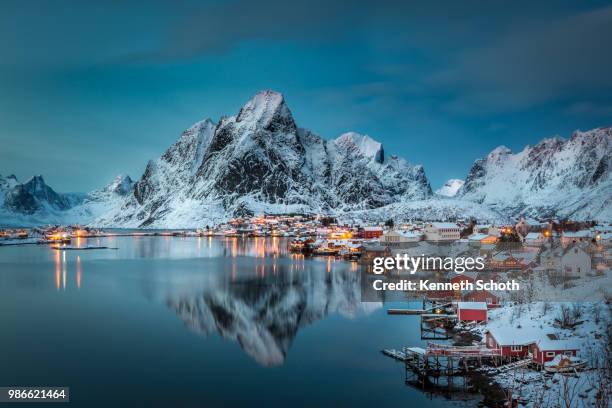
264, 313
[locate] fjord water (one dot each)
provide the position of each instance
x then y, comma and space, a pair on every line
169, 321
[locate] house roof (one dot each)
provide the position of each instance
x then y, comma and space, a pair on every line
578, 234
410, 234
547, 344
514, 336
445, 225
477, 237
472, 305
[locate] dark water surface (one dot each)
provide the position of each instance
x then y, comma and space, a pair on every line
165, 321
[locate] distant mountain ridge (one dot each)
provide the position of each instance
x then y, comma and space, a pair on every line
555, 178
261, 161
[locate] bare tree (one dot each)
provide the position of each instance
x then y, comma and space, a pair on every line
566, 319
545, 307
569, 391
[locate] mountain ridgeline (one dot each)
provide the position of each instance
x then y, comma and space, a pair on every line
261, 161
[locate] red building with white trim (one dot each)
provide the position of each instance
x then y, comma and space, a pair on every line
472, 311
372, 232
509, 345
546, 349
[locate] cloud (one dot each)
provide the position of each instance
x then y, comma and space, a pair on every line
533, 64
589, 108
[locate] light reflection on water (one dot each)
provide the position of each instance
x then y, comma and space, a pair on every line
166, 319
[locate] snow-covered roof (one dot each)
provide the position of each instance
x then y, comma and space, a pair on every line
410, 234
578, 234
445, 225
533, 235
477, 237
546, 344
513, 336
472, 305
509, 335
373, 229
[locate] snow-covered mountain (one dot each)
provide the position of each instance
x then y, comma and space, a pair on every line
555, 178
450, 188
259, 160
36, 203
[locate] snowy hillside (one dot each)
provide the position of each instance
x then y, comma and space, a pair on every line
555, 178
450, 188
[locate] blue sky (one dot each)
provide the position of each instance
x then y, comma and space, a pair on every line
89, 90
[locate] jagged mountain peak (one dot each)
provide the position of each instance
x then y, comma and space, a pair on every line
499, 151
260, 161
34, 195
266, 109
121, 184
362, 145
36, 181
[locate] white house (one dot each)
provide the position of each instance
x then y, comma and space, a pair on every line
575, 262
568, 238
442, 231
535, 239
495, 231
398, 238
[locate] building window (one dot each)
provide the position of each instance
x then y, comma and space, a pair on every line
516, 348
550, 354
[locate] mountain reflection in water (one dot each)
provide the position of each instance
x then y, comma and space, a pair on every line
264, 313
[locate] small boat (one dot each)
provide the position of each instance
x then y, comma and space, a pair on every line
564, 364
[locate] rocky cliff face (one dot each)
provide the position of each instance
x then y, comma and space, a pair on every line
555, 178
259, 160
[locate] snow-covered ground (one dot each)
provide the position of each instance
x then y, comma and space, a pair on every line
450, 188
591, 335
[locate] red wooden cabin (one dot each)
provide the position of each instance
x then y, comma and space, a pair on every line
510, 345
545, 350
472, 311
